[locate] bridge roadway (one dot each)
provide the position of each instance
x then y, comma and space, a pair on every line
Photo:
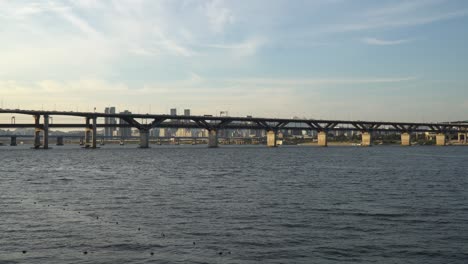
215, 123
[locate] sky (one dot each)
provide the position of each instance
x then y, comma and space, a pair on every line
324, 59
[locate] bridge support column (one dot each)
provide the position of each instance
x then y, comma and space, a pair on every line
37, 138
441, 139
462, 138
37, 132
46, 132
87, 136
405, 139
144, 138
366, 139
271, 138
322, 139
60, 141
13, 141
213, 138
94, 134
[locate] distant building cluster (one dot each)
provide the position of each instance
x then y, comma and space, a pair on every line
179, 132
124, 132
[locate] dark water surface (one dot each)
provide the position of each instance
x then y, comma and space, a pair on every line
234, 205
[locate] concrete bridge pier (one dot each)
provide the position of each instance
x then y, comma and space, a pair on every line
46, 132
60, 141
94, 133
213, 138
87, 138
271, 138
37, 131
37, 138
462, 138
366, 139
322, 139
144, 138
90, 140
87, 135
405, 139
441, 139
13, 141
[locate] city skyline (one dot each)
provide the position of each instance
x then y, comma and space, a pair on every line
386, 60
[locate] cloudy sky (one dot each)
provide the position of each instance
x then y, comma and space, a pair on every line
366, 60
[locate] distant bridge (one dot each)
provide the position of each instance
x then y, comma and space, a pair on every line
213, 124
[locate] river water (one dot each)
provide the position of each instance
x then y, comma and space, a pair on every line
247, 204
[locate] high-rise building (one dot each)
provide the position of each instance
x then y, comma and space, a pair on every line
249, 132
109, 131
154, 132
162, 132
186, 131
260, 133
183, 132
125, 132
172, 131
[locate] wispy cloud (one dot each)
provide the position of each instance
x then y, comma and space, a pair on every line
28, 10
87, 93
399, 14
403, 7
322, 81
245, 48
89, 4
74, 20
194, 80
139, 51
218, 15
19, 12
382, 42
392, 22
172, 46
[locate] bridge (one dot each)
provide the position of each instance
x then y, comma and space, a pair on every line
145, 122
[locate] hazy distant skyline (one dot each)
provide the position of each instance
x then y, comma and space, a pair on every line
334, 59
